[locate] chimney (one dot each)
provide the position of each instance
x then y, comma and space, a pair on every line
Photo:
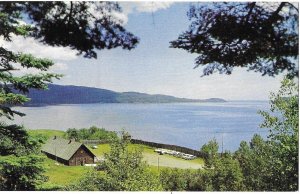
54, 137
70, 141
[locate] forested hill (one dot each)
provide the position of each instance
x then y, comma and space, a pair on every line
58, 94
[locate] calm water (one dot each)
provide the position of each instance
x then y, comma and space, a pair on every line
185, 124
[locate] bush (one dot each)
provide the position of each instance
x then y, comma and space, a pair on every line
92, 133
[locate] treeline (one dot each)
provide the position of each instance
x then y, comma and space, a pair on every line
92, 133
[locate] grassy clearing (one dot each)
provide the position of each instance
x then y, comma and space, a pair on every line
101, 150
148, 149
60, 175
63, 175
46, 132
105, 148
144, 148
153, 158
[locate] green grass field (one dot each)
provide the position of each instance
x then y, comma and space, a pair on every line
46, 132
105, 148
153, 158
60, 175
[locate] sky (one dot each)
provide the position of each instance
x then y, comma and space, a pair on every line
152, 67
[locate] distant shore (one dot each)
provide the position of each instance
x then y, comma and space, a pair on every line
58, 94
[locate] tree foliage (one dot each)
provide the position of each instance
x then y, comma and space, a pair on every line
82, 26
224, 170
21, 173
186, 180
262, 37
227, 174
21, 166
200, 180
210, 151
272, 164
174, 179
92, 133
254, 160
283, 122
14, 140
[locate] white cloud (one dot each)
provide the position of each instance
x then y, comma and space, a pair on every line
59, 67
32, 46
148, 6
143, 6
23, 71
20, 71
272, 6
38, 49
99, 9
53, 69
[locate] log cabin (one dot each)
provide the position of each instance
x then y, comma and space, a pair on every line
68, 152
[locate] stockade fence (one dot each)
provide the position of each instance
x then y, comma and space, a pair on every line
94, 142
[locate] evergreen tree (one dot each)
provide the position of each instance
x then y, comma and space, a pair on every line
262, 37
83, 26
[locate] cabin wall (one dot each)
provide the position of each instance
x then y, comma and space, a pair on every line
60, 160
82, 156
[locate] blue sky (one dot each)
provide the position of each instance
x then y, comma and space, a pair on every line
153, 67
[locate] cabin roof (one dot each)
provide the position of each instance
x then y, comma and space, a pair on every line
62, 148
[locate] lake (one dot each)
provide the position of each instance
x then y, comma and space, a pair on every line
185, 124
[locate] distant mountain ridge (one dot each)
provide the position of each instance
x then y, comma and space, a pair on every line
59, 94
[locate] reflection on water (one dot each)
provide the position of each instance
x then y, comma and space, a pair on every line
185, 124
